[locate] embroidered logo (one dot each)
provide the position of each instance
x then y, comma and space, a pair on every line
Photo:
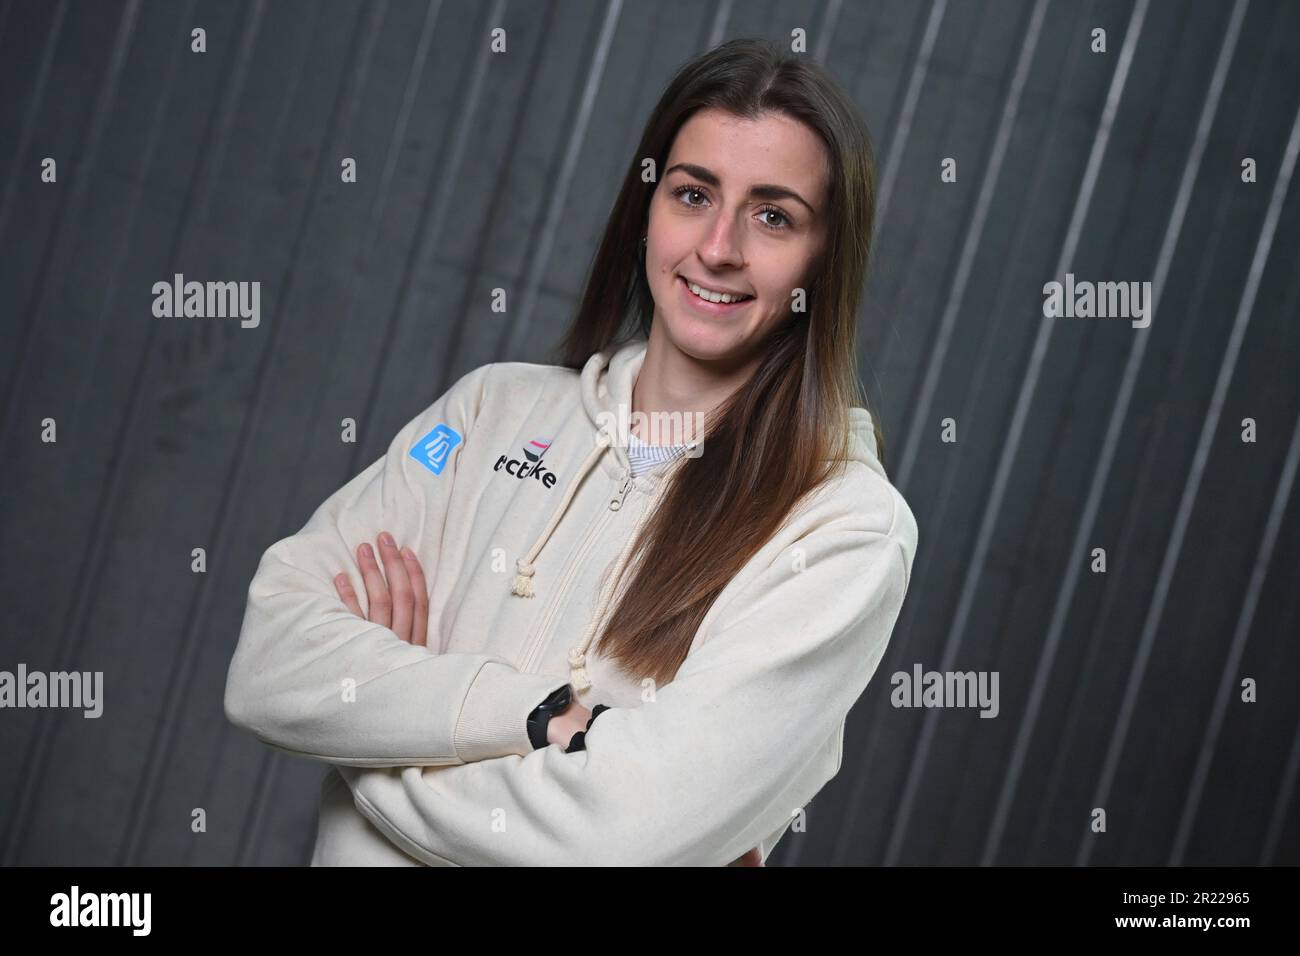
433, 450
533, 467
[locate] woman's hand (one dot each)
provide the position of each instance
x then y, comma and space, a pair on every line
402, 603
562, 726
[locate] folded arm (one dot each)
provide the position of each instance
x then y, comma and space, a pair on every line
705, 771
311, 678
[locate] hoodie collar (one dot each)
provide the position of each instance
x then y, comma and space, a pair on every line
607, 381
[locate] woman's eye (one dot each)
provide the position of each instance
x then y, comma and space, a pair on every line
688, 191
785, 222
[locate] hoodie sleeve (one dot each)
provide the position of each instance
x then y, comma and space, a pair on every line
718, 761
311, 678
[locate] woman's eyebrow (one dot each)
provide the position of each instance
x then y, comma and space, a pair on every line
760, 191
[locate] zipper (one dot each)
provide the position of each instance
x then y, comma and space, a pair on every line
616, 502
538, 642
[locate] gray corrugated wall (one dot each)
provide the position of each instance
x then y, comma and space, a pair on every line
1118, 690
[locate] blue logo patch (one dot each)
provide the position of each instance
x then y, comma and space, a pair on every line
433, 450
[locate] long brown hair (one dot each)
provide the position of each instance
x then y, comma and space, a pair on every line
786, 430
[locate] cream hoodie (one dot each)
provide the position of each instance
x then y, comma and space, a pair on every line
514, 491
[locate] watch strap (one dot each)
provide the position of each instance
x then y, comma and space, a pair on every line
556, 702
579, 740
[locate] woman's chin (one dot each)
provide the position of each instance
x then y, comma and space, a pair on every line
704, 340
709, 343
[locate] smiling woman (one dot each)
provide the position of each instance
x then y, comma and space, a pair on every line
731, 234
727, 607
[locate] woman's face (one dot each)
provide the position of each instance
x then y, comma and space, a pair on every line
740, 207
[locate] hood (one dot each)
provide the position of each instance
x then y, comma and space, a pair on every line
606, 382
862, 440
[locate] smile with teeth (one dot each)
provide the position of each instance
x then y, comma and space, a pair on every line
717, 297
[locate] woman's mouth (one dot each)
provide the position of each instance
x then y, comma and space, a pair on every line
705, 306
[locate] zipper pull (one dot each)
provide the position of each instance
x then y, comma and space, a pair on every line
617, 502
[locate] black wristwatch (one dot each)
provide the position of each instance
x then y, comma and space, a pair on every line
556, 703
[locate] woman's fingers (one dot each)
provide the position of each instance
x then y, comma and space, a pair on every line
349, 596
399, 586
381, 606
398, 594
420, 592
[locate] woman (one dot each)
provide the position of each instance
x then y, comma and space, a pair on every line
724, 599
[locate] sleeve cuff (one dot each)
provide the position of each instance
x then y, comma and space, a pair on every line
494, 716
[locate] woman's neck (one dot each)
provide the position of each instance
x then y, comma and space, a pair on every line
675, 391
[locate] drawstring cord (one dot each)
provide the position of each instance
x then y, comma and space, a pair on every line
523, 583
